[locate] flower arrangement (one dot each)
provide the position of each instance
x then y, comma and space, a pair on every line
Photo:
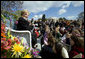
12, 47
5, 43
35, 52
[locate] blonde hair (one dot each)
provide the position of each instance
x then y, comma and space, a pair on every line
24, 11
76, 31
68, 35
47, 29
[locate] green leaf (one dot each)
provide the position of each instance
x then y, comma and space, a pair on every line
2, 16
8, 33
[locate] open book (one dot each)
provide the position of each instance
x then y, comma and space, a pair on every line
78, 56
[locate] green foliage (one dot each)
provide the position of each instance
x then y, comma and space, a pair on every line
2, 16
15, 16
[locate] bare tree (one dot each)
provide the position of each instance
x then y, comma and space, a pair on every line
81, 15
11, 5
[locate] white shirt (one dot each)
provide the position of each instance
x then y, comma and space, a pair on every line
63, 38
64, 53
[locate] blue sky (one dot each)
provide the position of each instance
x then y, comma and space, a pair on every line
67, 9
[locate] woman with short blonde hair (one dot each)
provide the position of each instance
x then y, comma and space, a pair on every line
23, 23
24, 11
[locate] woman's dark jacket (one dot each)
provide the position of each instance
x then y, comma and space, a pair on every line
23, 24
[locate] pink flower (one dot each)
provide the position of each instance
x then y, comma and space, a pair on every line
8, 47
3, 39
16, 22
10, 20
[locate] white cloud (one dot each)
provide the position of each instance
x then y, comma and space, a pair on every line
77, 3
38, 6
53, 17
66, 4
37, 16
71, 17
40, 16
62, 11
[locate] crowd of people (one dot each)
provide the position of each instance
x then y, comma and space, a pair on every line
55, 36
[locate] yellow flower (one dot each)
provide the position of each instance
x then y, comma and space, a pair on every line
17, 48
10, 35
27, 56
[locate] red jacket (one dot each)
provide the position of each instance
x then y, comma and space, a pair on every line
37, 33
76, 50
